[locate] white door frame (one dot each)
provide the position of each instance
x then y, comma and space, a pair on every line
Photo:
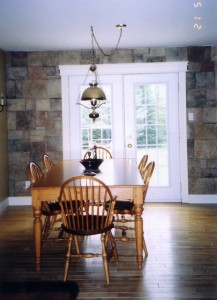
126, 69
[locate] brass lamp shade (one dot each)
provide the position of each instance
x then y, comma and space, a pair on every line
93, 92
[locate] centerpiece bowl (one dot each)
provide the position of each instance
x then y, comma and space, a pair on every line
91, 164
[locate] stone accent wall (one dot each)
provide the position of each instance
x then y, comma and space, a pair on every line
35, 120
202, 131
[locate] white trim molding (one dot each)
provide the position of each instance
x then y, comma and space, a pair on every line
68, 71
18, 201
202, 199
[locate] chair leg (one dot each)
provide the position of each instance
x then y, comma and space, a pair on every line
145, 247
105, 260
114, 248
46, 227
68, 257
77, 244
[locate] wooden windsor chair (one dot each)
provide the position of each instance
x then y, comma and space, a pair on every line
83, 200
48, 163
51, 210
125, 213
99, 152
142, 165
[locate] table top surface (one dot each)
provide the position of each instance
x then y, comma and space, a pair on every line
113, 172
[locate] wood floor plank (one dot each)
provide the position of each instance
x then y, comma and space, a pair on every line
182, 261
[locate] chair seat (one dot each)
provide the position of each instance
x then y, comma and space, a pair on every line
88, 225
124, 205
52, 209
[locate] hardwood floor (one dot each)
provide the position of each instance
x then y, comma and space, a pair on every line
182, 260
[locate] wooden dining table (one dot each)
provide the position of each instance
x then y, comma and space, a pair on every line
120, 175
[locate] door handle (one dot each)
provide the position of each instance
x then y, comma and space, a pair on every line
129, 145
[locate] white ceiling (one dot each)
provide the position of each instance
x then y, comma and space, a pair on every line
65, 24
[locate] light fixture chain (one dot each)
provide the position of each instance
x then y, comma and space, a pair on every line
101, 50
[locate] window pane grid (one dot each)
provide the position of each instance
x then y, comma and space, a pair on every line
151, 126
100, 131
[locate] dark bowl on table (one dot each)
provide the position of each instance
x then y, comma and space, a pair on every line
91, 164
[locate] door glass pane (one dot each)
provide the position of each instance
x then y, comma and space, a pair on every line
98, 132
151, 128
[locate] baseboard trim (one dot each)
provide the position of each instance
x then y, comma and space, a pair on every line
20, 201
202, 199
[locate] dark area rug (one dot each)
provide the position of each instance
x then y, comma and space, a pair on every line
39, 290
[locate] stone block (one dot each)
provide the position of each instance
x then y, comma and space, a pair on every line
215, 183
205, 149
15, 134
42, 105
53, 143
19, 59
36, 73
206, 131
53, 133
19, 158
194, 66
208, 66
57, 124
203, 163
190, 148
18, 173
199, 54
86, 57
16, 73
20, 188
35, 59
37, 150
176, 54
150, 59
211, 94
158, 52
190, 80
36, 136
196, 97
190, 131
11, 120
194, 168
30, 104
43, 120
212, 163
25, 120
56, 104
69, 57
35, 89
18, 146
50, 58
122, 56
11, 89
202, 186
204, 80
52, 72
16, 105
209, 115
54, 88
214, 53
209, 173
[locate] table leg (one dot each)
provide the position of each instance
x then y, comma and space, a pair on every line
37, 224
139, 234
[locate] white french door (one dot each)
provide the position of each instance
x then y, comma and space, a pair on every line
144, 104
152, 127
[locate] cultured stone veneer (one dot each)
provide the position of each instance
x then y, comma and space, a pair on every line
35, 114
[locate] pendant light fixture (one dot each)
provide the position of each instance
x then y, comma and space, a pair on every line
94, 93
